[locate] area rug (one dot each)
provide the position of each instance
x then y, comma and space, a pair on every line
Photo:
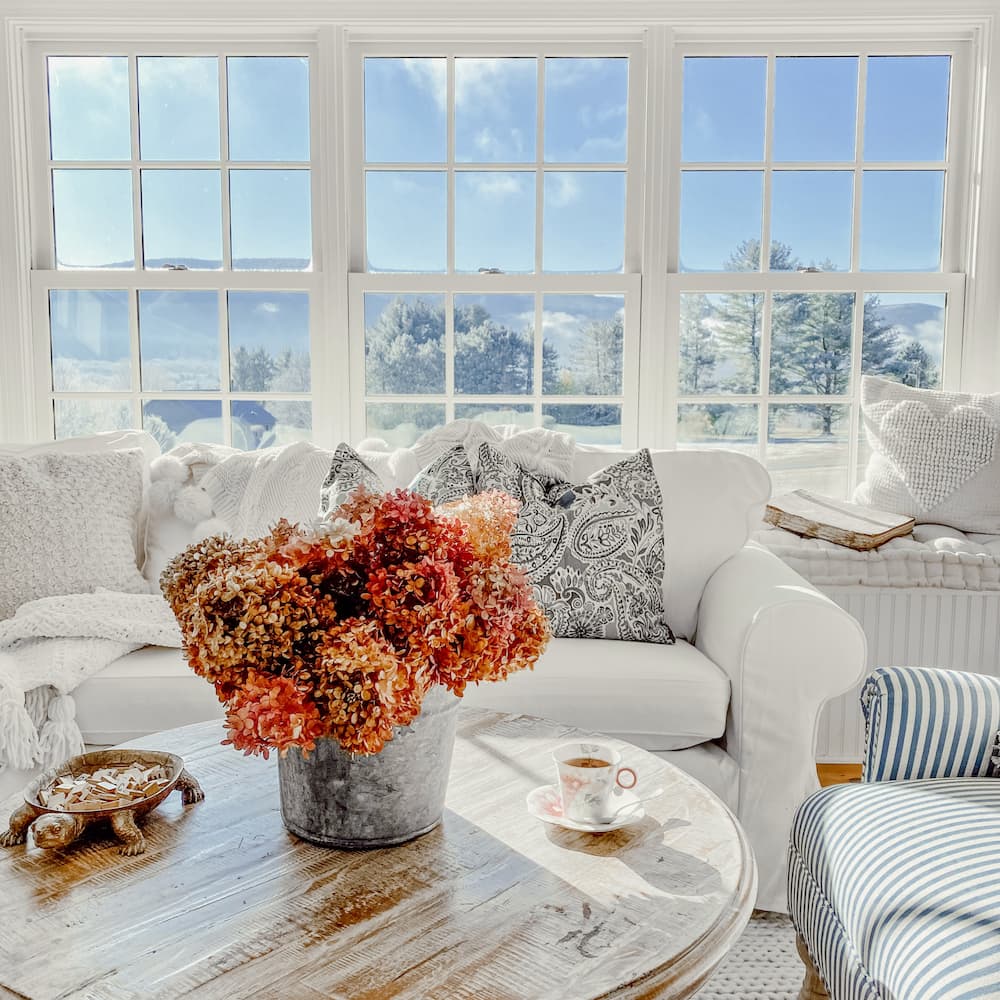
763, 965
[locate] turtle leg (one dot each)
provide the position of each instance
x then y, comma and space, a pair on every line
17, 832
133, 842
190, 789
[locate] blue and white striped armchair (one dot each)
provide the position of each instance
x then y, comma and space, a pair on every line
894, 883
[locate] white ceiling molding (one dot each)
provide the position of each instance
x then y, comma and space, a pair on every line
686, 17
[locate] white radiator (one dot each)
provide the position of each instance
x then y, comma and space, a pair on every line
924, 627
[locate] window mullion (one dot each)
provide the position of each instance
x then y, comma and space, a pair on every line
134, 167
450, 165
859, 138
227, 242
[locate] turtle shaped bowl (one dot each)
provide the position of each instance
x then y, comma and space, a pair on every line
87, 763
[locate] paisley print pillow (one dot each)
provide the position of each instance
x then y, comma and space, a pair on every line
594, 552
448, 477
348, 471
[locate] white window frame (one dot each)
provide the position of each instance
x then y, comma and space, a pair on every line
451, 283
45, 277
949, 280
661, 31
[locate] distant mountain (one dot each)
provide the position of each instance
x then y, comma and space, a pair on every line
918, 321
202, 264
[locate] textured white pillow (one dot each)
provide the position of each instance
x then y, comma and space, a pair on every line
69, 524
105, 441
934, 455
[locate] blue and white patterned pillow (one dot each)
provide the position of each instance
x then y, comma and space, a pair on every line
594, 552
449, 477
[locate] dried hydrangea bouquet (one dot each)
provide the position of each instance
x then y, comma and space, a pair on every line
343, 646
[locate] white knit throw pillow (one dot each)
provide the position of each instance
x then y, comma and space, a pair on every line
69, 525
934, 455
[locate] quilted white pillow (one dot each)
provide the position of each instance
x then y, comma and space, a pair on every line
69, 524
935, 455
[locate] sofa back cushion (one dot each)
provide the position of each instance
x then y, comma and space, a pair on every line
106, 441
70, 523
712, 500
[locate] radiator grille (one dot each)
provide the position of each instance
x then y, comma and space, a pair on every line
956, 629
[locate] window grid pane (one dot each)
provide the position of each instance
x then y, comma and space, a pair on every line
830, 203
180, 360
508, 196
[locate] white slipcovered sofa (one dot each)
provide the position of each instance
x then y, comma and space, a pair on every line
735, 702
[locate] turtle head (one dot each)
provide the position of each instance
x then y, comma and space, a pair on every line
56, 830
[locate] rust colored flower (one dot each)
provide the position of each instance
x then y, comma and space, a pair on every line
339, 628
271, 712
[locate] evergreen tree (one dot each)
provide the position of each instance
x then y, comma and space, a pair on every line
597, 362
404, 348
880, 346
698, 356
740, 315
916, 367
492, 359
252, 371
811, 347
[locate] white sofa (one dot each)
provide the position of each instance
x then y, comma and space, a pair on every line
735, 702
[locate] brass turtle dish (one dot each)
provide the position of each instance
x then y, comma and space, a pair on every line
59, 827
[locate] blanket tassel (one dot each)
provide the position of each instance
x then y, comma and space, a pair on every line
60, 736
18, 737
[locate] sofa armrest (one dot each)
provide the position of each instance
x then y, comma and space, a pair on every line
787, 649
927, 723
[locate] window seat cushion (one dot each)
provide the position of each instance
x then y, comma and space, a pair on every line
934, 556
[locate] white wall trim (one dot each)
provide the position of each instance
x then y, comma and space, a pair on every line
17, 382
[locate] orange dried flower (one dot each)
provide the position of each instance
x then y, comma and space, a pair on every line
339, 628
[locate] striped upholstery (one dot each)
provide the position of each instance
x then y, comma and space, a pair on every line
895, 888
924, 723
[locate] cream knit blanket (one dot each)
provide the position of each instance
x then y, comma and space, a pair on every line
535, 448
53, 644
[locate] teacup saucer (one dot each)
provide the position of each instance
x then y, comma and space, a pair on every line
545, 804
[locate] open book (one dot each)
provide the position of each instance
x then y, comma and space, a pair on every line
852, 524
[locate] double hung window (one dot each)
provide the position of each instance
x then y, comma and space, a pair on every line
174, 244
844, 167
494, 257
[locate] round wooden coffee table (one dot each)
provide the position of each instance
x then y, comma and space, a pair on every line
491, 905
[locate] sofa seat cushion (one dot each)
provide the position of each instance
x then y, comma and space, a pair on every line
896, 887
658, 697
143, 692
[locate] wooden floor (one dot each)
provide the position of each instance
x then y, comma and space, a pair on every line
838, 774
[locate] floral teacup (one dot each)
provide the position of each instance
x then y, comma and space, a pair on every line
589, 778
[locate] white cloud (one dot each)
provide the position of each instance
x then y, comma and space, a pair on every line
430, 75
102, 73
494, 146
561, 327
570, 72
563, 189
197, 74
267, 307
498, 186
487, 83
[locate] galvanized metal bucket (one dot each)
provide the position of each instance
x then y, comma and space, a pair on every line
337, 799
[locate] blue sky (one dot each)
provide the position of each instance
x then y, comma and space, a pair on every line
179, 122
496, 117
815, 99
496, 122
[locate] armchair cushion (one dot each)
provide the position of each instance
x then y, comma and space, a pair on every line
893, 886
927, 723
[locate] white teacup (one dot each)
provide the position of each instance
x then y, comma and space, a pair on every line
590, 776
